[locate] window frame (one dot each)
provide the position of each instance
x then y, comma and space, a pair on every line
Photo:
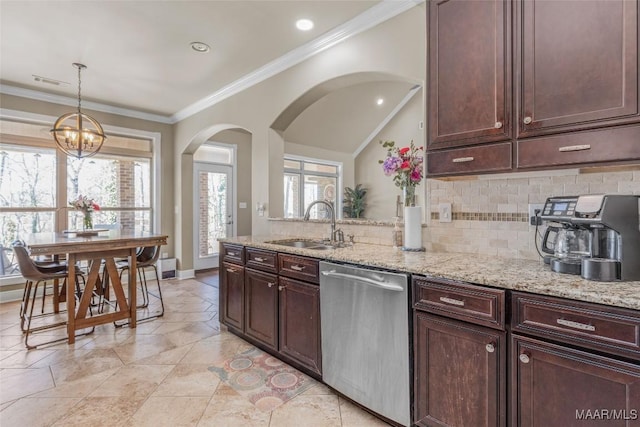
301, 173
61, 210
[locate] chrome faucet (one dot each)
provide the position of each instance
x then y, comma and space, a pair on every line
334, 233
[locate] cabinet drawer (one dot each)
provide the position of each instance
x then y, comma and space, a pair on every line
262, 260
232, 253
470, 303
610, 329
464, 161
604, 145
299, 267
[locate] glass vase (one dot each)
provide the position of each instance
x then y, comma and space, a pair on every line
409, 195
87, 221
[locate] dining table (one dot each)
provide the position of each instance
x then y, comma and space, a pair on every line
99, 250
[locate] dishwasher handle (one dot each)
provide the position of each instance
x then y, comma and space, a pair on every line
377, 283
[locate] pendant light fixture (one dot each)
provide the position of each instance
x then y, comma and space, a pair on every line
78, 134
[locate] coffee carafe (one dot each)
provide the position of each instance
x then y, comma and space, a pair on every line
570, 246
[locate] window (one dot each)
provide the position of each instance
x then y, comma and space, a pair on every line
37, 182
120, 185
306, 180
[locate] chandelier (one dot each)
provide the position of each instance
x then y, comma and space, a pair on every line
78, 134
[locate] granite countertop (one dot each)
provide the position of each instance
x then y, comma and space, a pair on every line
517, 274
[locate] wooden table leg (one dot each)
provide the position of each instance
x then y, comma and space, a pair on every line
133, 273
71, 300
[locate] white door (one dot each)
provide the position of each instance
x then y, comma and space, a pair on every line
213, 212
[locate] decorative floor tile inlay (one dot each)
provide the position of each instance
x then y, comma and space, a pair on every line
264, 380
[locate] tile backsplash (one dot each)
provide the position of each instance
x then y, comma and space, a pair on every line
489, 213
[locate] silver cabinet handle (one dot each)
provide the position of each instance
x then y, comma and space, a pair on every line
259, 259
231, 253
281, 287
490, 347
527, 120
524, 358
463, 159
575, 148
498, 125
231, 270
297, 267
576, 325
452, 301
270, 284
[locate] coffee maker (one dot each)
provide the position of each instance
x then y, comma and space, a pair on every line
596, 236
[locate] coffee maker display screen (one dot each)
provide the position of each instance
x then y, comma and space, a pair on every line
557, 208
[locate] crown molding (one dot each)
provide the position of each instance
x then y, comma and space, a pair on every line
373, 16
89, 105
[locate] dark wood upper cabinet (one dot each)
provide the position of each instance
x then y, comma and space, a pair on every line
469, 72
569, 97
577, 65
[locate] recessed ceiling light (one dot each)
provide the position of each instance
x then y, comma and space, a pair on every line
379, 101
304, 24
200, 47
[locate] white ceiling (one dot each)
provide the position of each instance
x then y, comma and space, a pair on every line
138, 54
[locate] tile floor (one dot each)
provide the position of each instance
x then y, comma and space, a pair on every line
154, 375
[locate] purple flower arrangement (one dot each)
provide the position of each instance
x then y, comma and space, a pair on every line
404, 164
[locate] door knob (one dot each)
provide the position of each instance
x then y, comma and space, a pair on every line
490, 347
498, 125
527, 120
524, 358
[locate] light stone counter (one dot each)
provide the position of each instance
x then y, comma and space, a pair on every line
516, 274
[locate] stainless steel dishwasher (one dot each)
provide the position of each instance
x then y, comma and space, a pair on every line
364, 316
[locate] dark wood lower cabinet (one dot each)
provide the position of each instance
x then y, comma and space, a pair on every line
232, 295
557, 386
300, 323
460, 373
261, 307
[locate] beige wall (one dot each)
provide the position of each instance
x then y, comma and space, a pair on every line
381, 191
395, 47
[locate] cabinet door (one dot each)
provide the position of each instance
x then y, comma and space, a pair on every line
460, 372
261, 307
232, 295
578, 64
300, 322
558, 386
469, 72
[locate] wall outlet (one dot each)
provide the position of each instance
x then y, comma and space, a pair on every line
444, 209
532, 213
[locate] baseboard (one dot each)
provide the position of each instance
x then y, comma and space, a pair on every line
186, 274
12, 295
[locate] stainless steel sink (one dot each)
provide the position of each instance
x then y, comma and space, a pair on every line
304, 244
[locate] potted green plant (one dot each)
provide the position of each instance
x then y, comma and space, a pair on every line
353, 202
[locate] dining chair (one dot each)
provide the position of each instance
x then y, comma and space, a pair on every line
146, 258
35, 275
